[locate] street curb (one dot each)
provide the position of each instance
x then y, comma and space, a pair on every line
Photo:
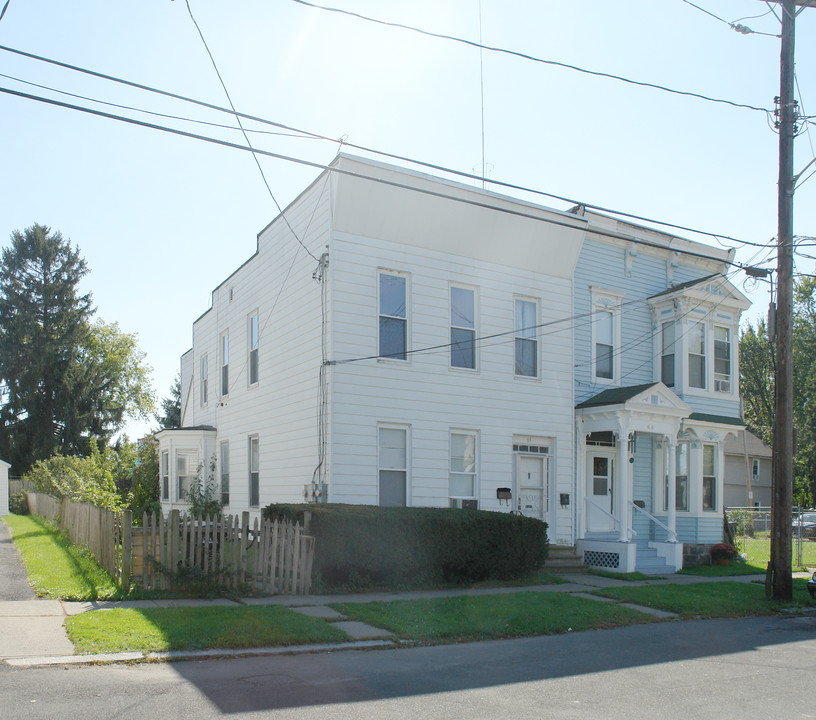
176, 655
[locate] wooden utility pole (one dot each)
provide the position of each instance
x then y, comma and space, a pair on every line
779, 569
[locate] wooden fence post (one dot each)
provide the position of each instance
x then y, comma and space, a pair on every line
127, 548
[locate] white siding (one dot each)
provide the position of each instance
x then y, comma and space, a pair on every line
430, 396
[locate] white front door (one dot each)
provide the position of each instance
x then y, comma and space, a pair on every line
600, 470
532, 485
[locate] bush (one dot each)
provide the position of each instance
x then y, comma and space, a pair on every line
18, 504
365, 546
723, 551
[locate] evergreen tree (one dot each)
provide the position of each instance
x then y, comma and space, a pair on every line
44, 321
171, 407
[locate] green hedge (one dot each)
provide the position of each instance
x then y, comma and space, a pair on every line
368, 546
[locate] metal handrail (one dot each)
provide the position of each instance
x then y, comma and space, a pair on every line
630, 531
672, 534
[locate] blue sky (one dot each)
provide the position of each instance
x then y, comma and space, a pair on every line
161, 220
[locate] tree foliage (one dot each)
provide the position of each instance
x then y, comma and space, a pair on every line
172, 407
65, 380
757, 387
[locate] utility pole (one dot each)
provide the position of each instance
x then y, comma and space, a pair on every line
778, 579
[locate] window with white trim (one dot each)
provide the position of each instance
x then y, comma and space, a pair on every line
697, 355
204, 379
165, 475
755, 468
393, 316
667, 340
526, 337
252, 361
225, 363
462, 327
392, 453
186, 469
225, 473
254, 462
462, 480
605, 337
681, 477
722, 359
709, 477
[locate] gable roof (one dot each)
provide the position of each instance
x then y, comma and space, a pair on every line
615, 396
757, 447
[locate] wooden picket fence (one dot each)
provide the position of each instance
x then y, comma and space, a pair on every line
273, 557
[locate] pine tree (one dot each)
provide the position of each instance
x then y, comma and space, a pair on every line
171, 407
43, 321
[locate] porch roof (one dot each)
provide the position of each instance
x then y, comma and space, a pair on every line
615, 396
718, 419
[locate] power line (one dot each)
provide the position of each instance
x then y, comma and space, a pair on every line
246, 137
364, 148
742, 29
532, 58
278, 156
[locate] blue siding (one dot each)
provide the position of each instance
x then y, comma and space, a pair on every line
642, 470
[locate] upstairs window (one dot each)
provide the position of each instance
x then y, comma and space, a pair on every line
697, 356
526, 321
463, 327
253, 349
393, 317
204, 379
604, 344
667, 354
225, 364
722, 359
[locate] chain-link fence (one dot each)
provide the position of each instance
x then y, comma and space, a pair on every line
750, 528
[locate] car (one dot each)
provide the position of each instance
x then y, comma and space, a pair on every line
811, 586
804, 524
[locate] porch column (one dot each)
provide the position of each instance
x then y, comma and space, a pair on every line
671, 488
581, 508
623, 495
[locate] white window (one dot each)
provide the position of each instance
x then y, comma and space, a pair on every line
463, 473
393, 328
681, 481
225, 473
605, 337
462, 327
204, 379
225, 364
755, 468
526, 325
393, 466
185, 473
254, 471
709, 477
165, 475
697, 356
253, 349
668, 340
722, 359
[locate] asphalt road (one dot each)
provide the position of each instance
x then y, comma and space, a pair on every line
751, 668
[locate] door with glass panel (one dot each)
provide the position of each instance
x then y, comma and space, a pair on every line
532, 485
600, 477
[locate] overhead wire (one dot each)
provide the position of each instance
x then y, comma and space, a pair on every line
246, 137
532, 58
576, 224
345, 143
742, 29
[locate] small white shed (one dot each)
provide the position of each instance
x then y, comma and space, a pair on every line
4, 488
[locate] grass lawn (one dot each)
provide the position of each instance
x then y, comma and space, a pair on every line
55, 567
629, 577
735, 567
490, 616
709, 600
160, 629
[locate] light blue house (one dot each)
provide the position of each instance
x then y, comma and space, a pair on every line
657, 394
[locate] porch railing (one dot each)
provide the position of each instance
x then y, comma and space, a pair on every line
671, 533
631, 532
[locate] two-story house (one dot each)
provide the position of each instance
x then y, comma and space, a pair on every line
399, 339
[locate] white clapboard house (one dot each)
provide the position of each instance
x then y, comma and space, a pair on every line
400, 339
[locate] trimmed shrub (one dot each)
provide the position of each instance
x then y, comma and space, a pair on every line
367, 546
18, 504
